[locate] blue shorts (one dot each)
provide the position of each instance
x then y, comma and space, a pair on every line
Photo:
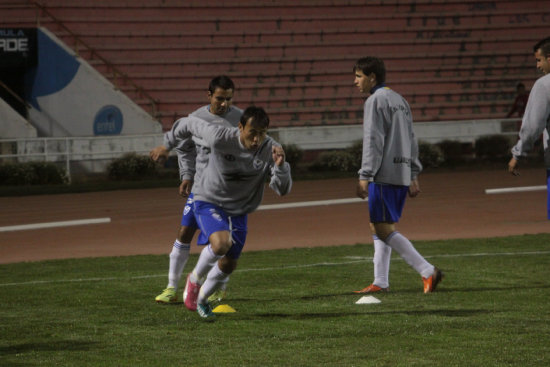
211, 218
188, 216
548, 191
386, 202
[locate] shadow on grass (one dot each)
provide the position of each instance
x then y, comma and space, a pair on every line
55, 345
327, 315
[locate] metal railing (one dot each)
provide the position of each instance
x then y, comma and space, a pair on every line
116, 73
67, 150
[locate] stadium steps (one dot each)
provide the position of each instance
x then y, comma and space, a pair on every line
281, 53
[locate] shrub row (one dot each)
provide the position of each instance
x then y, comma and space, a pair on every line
494, 148
32, 173
132, 166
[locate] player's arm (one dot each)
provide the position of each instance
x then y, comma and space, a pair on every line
362, 189
160, 153
281, 179
533, 124
373, 147
416, 168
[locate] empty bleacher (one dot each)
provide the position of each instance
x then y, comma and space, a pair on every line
450, 59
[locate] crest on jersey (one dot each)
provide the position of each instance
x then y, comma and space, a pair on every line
258, 163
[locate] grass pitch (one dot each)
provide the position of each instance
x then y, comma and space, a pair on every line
294, 308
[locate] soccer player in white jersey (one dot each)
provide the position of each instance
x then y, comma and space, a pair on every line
221, 112
230, 187
389, 171
536, 119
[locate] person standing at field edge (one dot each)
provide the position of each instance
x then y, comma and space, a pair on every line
389, 171
536, 119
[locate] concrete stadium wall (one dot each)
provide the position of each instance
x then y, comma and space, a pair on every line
13, 125
69, 98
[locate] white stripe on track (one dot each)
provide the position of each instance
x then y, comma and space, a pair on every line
356, 260
302, 204
508, 190
77, 222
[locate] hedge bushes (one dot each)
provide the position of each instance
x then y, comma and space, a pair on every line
494, 148
132, 167
32, 173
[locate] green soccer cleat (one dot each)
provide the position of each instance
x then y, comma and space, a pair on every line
205, 311
216, 298
167, 296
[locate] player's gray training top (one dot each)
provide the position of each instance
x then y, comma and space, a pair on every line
235, 177
193, 158
536, 120
390, 150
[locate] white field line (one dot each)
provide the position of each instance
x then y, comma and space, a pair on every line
356, 260
77, 222
508, 190
302, 204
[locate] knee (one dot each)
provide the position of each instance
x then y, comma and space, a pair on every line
383, 230
220, 243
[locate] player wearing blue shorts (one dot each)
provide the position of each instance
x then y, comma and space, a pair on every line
536, 119
230, 187
389, 171
219, 112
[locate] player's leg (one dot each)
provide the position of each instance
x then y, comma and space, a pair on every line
548, 192
385, 208
381, 261
220, 242
215, 229
179, 254
218, 276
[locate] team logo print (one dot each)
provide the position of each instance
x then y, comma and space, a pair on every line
229, 157
215, 215
186, 210
257, 164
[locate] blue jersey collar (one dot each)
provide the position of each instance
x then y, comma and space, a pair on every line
376, 87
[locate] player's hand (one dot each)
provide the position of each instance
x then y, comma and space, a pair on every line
185, 188
414, 189
363, 189
513, 166
278, 155
159, 154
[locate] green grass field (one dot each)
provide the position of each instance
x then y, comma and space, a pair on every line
294, 308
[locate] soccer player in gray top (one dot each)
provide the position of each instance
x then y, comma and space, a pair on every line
536, 119
230, 187
389, 171
221, 112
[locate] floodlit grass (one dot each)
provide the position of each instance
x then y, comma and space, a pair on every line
294, 308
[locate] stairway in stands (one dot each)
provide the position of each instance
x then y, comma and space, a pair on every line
452, 60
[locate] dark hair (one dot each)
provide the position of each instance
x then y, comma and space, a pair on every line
258, 115
372, 65
221, 81
544, 46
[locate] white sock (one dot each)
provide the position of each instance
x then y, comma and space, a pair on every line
206, 261
215, 280
381, 260
178, 259
405, 248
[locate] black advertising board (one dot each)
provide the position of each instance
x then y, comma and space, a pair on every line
18, 48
